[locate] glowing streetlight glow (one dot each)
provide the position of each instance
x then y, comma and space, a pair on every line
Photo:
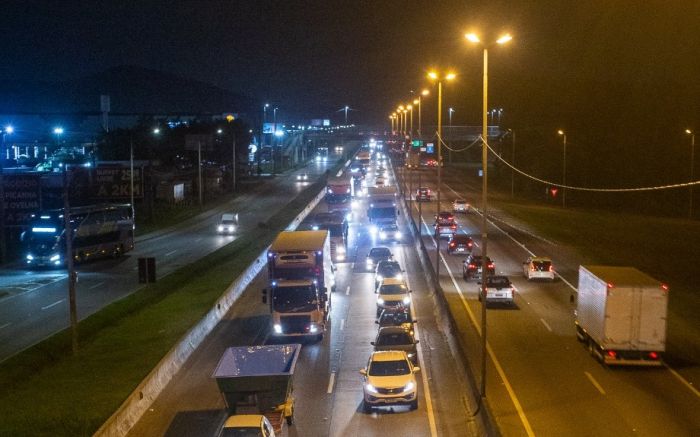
472, 37
504, 39
425, 92
432, 75
450, 76
156, 131
58, 130
560, 132
688, 131
9, 129
415, 101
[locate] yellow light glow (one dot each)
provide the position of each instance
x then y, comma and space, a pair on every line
688, 131
409, 107
425, 92
450, 76
400, 107
560, 132
416, 101
504, 39
472, 37
433, 75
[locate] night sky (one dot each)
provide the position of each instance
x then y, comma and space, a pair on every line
311, 58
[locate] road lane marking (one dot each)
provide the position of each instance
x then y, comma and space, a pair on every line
5, 325
546, 325
171, 252
97, 285
53, 304
594, 382
684, 381
342, 324
424, 370
331, 381
347, 291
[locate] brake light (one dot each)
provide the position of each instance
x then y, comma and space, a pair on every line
452, 244
664, 287
470, 244
653, 355
472, 266
490, 265
453, 227
551, 268
610, 285
612, 354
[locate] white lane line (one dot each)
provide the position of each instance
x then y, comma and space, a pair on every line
347, 291
424, 371
684, 381
546, 325
97, 285
595, 383
497, 364
171, 252
330, 383
53, 304
342, 324
5, 325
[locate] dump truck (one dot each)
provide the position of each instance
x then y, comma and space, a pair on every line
256, 384
339, 194
301, 275
621, 315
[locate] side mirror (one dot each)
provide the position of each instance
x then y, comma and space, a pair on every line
363, 372
372, 343
416, 369
410, 291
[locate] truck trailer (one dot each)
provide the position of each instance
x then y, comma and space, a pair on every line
339, 194
301, 274
381, 208
621, 315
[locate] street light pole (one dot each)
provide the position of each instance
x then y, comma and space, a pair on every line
410, 108
512, 161
70, 266
449, 143
563, 189
3, 240
692, 170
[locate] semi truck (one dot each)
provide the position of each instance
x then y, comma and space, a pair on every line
337, 226
412, 158
301, 275
621, 315
339, 194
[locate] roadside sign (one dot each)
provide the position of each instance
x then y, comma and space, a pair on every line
430, 147
417, 143
114, 182
22, 197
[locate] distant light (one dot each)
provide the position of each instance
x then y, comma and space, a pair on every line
58, 130
472, 37
218, 131
560, 132
9, 129
433, 75
279, 133
450, 76
156, 131
87, 164
688, 131
504, 39
425, 92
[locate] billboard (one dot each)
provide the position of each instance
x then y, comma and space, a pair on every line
22, 197
195, 141
114, 182
320, 122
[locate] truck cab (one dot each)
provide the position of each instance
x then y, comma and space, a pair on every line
299, 308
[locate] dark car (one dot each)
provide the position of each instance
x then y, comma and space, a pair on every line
387, 269
445, 225
471, 267
460, 243
377, 254
423, 194
396, 338
396, 317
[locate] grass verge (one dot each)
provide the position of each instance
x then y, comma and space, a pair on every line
46, 390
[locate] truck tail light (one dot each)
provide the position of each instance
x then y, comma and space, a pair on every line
452, 244
664, 287
653, 356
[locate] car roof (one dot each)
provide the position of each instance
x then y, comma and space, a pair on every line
461, 237
228, 216
378, 248
459, 200
390, 330
393, 281
243, 421
388, 356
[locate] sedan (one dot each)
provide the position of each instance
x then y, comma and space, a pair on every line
471, 267
377, 254
460, 243
387, 269
396, 338
460, 205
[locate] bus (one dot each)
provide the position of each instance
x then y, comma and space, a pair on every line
105, 230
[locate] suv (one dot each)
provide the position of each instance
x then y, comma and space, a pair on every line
387, 269
538, 267
396, 338
377, 254
389, 379
471, 267
227, 223
389, 232
392, 294
423, 194
445, 224
460, 205
459, 243
396, 317
498, 289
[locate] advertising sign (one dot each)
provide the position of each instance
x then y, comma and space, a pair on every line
194, 142
114, 182
22, 197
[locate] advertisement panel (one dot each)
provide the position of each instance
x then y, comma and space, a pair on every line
22, 197
114, 182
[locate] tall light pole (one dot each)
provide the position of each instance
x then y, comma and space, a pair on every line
473, 38
563, 177
399, 110
410, 109
418, 102
450, 111
512, 162
405, 123
692, 170
436, 77
262, 135
346, 108
8, 130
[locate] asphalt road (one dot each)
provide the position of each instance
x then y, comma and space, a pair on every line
34, 303
540, 380
327, 385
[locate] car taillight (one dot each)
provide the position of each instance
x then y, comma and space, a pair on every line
452, 244
532, 268
653, 355
453, 227
470, 244
551, 269
612, 354
490, 265
472, 266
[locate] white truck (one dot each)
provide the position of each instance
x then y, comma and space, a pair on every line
301, 276
621, 315
382, 208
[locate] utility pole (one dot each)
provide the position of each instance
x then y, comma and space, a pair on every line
72, 274
199, 171
233, 165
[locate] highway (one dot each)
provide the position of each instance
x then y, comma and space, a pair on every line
540, 380
327, 385
34, 303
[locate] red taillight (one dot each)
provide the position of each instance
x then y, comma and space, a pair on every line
490, 265
551, 269
664, 287
612, 354
472, 266
470, 244
653, 355
453, 227
610, 285
452, 244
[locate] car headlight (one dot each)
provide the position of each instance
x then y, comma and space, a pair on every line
341, 250
406, 300
348, 216
399, 276
369, 261
278, 328
410, 386
55, 257
382, 235
398, 235
220, 228
379, 278
30, 257
370, 388
380, 301
230, 228
313, 329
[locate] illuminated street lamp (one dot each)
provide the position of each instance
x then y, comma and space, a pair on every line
418, 102
692, 169
437, 77
473, 38
563, 189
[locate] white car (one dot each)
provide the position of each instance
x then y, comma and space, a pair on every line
460, 205
227, 223
499, 289
389, 379
379, 181
538, 267
392, 293
302, 177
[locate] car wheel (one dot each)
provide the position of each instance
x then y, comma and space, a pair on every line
414, 405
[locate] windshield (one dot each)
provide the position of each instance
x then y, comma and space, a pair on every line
461, 240
388, 269
336, 230
387, 212
497, 282
291, 299
389, 368
394, 339
395, 318
380, 253
393, 289
542, 266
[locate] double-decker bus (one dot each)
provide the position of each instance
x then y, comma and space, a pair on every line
97, 231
